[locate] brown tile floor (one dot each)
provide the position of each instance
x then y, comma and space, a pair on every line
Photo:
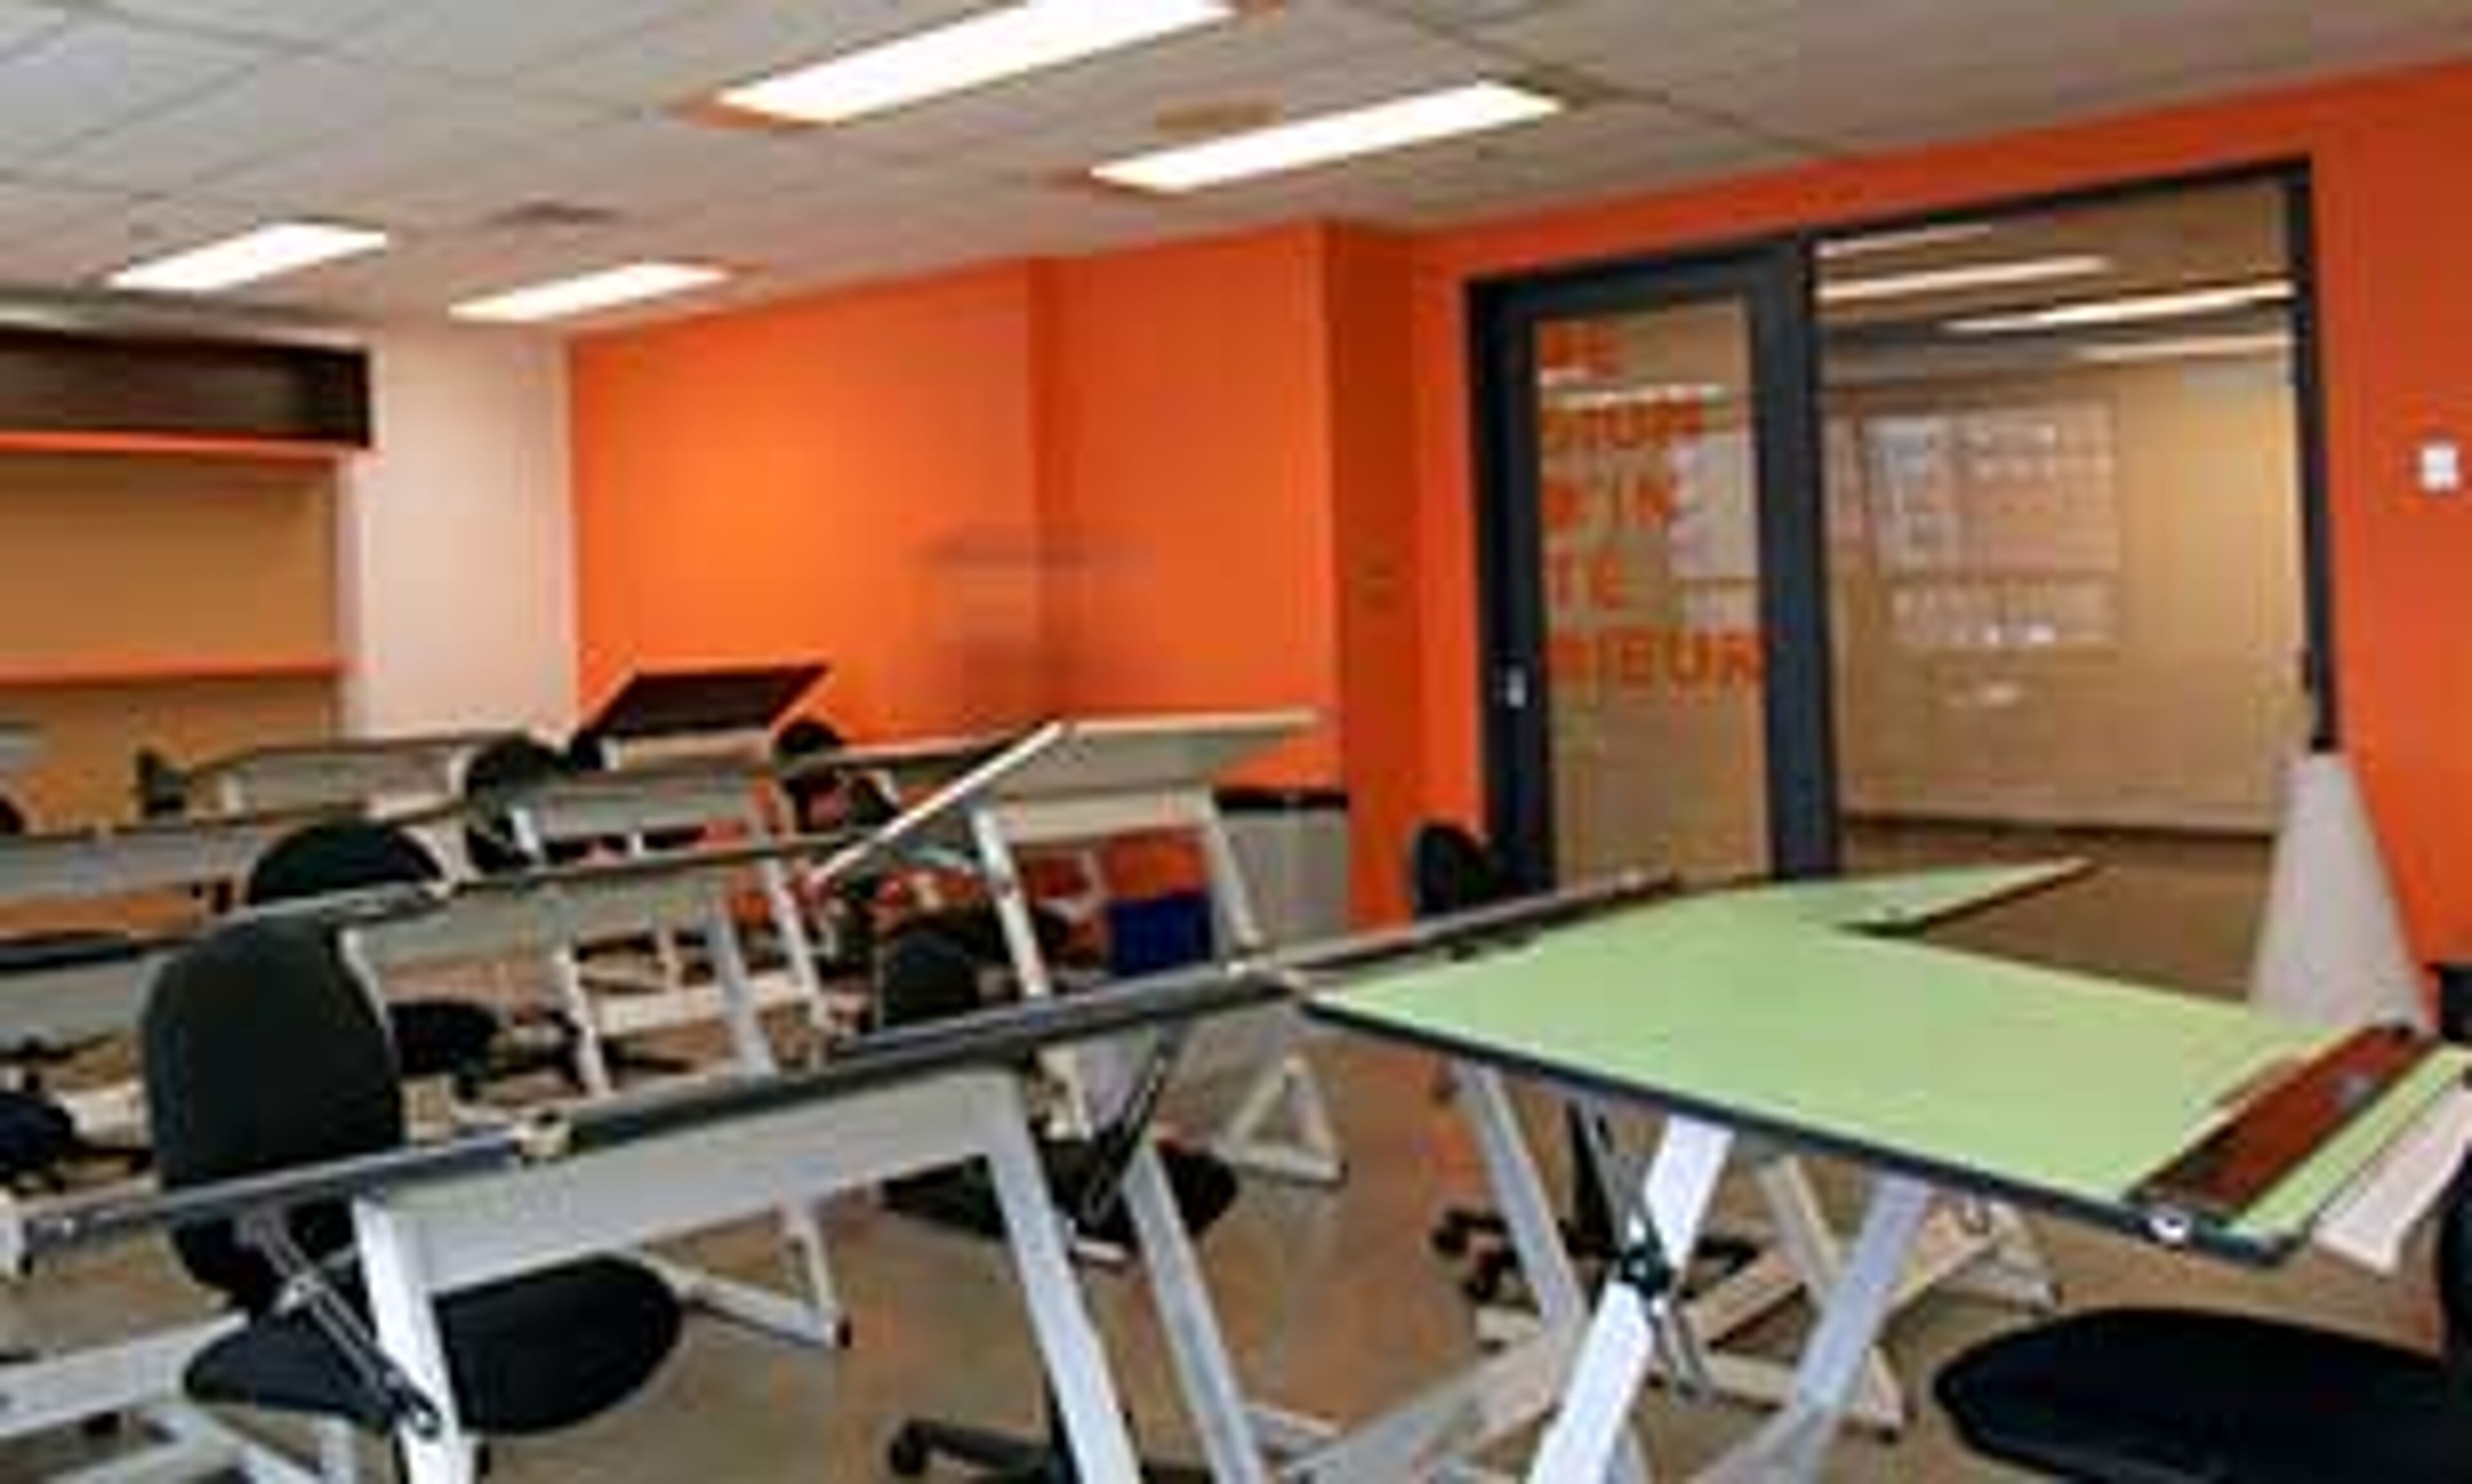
1332, 1300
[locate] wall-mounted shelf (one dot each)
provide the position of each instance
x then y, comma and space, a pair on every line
85, 674
169, 445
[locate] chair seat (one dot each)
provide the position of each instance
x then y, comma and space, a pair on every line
2164, 1396
531, 1353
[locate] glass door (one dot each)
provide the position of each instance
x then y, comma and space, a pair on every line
1647, 500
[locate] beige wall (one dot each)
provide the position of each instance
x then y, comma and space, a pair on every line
173, 601
457, 542
2172, 702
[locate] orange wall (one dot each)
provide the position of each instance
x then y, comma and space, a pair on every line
1375, 554
1187, 442
848, 475
2395, 263
1236, 472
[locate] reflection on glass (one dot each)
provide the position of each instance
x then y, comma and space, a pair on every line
1650, 553
2064, 555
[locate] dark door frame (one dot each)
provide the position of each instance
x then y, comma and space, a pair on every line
1774, 276
1772, 281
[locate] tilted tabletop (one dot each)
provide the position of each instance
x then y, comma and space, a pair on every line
1785, 1009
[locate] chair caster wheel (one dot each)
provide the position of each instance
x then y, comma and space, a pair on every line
841, 1336
905, 1456
1449, 1239
1481, 1287
96, 1429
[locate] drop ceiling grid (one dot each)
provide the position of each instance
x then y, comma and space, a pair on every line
136, 123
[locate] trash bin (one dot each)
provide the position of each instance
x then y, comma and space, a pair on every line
1291, 845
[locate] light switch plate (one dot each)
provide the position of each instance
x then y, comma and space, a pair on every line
2442, 467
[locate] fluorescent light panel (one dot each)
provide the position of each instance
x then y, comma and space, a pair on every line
2192, 348
2131, 309
1032, 35
266, 252
1419, 118
1961, 278
561, 298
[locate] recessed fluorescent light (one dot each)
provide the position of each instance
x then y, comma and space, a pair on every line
2133, 309
1961, 278
2193, 347
562, 297
267, 252
1031, 35
1417, 119
1875, 244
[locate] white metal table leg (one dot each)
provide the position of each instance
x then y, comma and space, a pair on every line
401, 1309
1077, 1366
1213, 1397
1585, 1436
1528, 1213
1794, 1443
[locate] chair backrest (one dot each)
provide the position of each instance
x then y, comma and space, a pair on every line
2453, 1260
510, 762
1450, 870
12, 819
161, 789
924, 976
262, 1050
340, 855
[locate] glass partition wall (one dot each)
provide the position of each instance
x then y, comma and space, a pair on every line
1986, 537
2065, 549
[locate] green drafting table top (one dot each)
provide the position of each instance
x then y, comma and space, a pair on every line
1795, 1010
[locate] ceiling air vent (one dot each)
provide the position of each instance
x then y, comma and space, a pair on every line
551, 215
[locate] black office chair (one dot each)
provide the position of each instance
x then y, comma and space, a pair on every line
262, 1051
925, 976
507, 765
12, 819
433, 1036
2162, 1396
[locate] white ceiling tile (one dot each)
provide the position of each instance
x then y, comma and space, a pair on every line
639, 167
288, 20
500, 39
28, 207
98, 73
22, 25
389, 172
283, 109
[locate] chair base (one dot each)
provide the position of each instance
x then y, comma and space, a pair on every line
1002, 1457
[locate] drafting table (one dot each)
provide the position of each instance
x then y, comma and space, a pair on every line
545, 914
439, 1217
1787, 1012
728, 711
633, 806
123, 861
1079, 782
409, 771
